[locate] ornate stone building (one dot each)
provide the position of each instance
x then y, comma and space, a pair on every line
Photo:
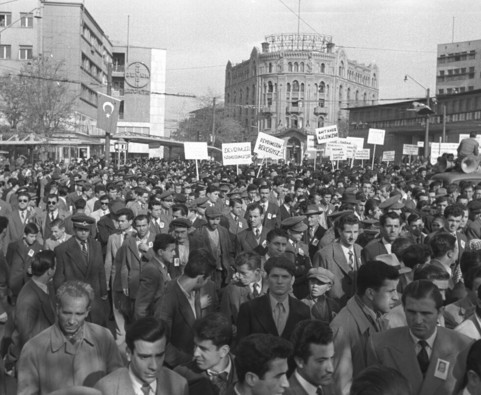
297, 82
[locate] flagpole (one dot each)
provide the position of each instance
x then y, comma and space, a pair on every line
107, 132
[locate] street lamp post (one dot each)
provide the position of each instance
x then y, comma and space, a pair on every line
426, 133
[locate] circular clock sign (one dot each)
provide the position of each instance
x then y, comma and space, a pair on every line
137, 75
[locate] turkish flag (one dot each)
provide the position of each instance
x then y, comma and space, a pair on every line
107, 112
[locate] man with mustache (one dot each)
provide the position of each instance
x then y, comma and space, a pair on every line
314, 359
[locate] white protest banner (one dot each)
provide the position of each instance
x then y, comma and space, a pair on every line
269, 146
195, 150
388, 156
350, 147
337, 153
363, 154
311, 144
326, 134
410, 149
357, 141
421, 144
236, 154
376, 136
438, 149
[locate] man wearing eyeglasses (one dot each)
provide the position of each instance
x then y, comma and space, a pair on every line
19, 217
46, 217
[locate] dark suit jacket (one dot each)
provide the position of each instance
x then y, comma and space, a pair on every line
284, 213
72, 266
234, 295
19, 258
272, 216
372, 250
175, 310
34, 311
200, 239
199, 381
106, 227
16, 226
295, 388
153, 278
119, 383
395, 349
255, 316
132, 263
246, 241
332, 258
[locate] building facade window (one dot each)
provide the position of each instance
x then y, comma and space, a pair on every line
323, 68
5, 19
25, 52
26, 20
270, 67
5, 51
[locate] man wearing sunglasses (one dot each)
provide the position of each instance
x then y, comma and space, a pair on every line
19, 217
46, 217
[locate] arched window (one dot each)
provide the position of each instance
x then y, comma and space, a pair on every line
288, 87
357, 96
270, 87
302, 87
320, 122
364, 98
323, 68
340, 94
322, 87
295, 86
296, 67
348, 98
289, 66
247, 95
270, 67
341, 69
302, 67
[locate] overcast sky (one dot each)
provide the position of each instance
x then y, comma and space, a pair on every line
200, 36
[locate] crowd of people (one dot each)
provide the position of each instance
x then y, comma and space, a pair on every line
155, 279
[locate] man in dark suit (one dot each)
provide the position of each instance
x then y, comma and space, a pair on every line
181, 306
19, 217
107, 225
287, 209
272, 216
390, 229
19, 257
246, 284
35, 307
212, 371
277, 312
154, 275
432, 358
236, 222
146, 343
217, 240
342, 258
314, 359
255, 235
315, 231
135, 251
80, 258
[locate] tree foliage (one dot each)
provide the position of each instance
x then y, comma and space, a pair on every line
198, 127
38, 99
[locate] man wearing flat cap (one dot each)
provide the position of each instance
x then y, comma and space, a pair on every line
218, 242
80, 258
322, 306
296, 228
